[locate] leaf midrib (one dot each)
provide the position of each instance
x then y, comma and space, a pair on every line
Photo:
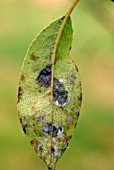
66, 17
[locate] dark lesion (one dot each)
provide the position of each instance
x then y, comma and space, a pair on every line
36, 68
22, 78
55, 130
71, 79
20, 92
24, 124
60, 94
44, 78
80, 97
77, 112
34, 57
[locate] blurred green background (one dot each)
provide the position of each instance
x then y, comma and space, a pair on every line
92, 147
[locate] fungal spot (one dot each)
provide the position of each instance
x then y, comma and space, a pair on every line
65, 143
73, 76
36, 69
44, 78
69, 120
68, 138
54, 131
75, 125
47, 128
24, 124
39, 91
80, 97
22, 77
42, 158
24, 129
71, 79
77, 113
41, 117
50, 168
54, 151
34, 57
60, 132
76, 68
23, 121
57, 131
40, 147
60, 94
20, 91
34, 143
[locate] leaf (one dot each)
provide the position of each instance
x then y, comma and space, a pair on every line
49, 93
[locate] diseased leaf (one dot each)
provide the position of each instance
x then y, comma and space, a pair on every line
49, 93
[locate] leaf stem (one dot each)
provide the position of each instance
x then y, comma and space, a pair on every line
53, 60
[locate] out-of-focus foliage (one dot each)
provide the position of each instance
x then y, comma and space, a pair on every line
93, 51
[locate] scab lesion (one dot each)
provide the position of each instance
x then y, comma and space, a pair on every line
71, 79
22, 78
80, 97
60, 94
24, 124
55, 130
44, 78
34, 57
55, 152
77, 112
38, 146
20, 92
36, 68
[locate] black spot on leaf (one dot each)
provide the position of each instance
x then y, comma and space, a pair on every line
54, 131
60, 94
77, 113
22, 77
24, 129
24, 124
40, 147
20, 93
80, 97
53, 150
47, 128
57, 131
34, 57
36, 69
71, 79
44, 77
76, 68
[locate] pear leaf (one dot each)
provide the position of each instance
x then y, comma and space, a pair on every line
49, 92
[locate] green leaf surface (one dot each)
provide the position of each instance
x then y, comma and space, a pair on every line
49, 93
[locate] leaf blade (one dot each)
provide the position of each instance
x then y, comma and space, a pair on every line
48, 120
